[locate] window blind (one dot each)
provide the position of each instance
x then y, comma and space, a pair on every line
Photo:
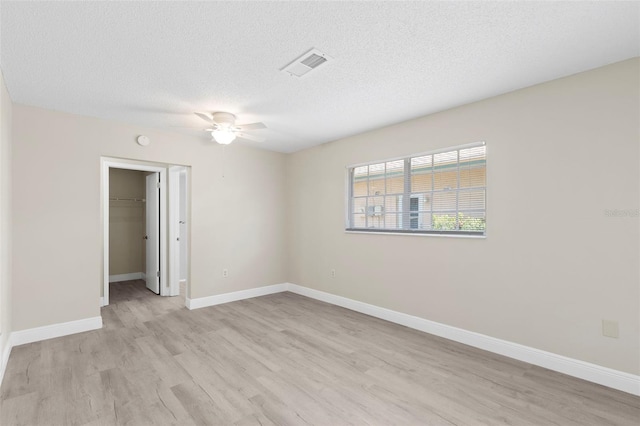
442, 192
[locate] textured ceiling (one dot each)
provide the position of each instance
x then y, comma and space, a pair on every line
155, 63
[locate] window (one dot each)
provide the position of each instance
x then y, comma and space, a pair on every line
441, 192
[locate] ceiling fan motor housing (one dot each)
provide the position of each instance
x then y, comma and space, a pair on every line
224, 119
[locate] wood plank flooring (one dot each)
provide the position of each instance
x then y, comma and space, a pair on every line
282, 360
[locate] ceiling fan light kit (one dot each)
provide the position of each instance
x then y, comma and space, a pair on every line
223, 137
224, 129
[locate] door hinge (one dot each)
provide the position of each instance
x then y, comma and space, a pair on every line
158, 274
158, 185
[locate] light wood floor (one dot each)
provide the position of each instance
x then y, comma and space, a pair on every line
286, 360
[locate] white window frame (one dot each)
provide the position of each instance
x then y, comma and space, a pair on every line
407, 195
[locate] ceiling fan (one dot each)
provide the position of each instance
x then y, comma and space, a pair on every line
224, 129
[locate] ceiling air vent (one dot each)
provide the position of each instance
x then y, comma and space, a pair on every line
305, 63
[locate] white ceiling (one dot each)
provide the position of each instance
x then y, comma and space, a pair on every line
155, 63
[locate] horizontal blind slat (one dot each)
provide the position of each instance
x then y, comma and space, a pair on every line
446, 193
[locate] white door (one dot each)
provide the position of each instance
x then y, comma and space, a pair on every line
152, 236
175, 225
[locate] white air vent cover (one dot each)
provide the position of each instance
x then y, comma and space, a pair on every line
305, 63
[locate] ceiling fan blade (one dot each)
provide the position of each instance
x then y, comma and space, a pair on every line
250, 137
251, 126
205, 117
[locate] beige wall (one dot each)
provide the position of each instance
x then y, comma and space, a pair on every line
237, 221
5, 216
553, 264
126, 221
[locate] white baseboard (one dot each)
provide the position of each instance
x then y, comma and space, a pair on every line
203, 302
37, 334
584, 370
126, 277
101, 301
4, 357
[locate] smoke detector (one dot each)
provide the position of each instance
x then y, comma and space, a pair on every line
306, 63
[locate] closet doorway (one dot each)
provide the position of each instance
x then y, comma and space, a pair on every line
144, 209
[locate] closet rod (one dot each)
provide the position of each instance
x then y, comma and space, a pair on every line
126, 199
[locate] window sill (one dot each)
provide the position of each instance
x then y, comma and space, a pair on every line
410, 234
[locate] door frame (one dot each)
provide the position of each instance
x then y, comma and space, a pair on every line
106, 164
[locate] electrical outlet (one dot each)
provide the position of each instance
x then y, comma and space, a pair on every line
225, 273
610, 328
333, 273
